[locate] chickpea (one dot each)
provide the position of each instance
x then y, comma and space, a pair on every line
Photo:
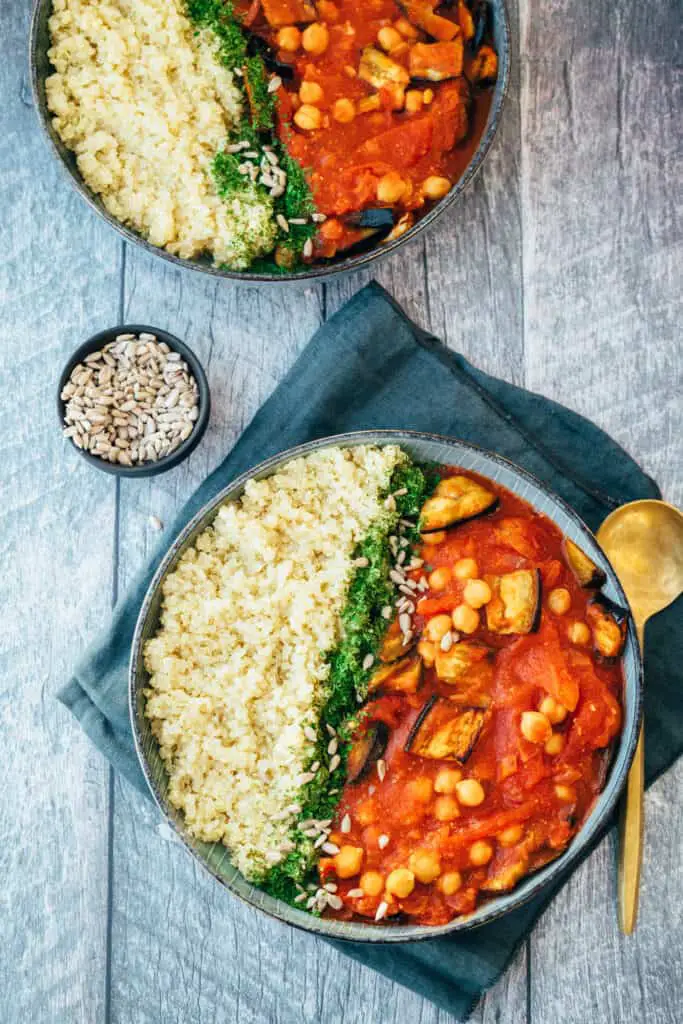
535, 727
427, 96
388, 38
579, 633
511, 835
436, 187
477, 593
440, 578
425, 865
466, 569
390, 187
420, 789
480, 853
447, 780
289, 38
553, 711
450, 882
559, 601
437, 627
555, 744
427, 652
308, 117
310, 92
470, 792
465, 618
315, 39
446, 808
348, 861
437, 537
372, 883
565, 793
343, 111
400, 882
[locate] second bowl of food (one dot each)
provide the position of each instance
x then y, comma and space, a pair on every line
286, 139
385, 686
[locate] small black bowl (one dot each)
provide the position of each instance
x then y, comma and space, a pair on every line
97, 342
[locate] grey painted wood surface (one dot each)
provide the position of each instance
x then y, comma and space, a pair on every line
560, 271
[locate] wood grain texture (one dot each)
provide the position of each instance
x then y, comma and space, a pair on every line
602, 305
559, 270
55, 585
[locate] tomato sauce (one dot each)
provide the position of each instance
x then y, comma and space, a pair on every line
450, 847
398, 140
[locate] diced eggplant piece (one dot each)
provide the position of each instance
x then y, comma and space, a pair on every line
587, 573
422, 16
445, 731
436, 62
402, 676
381, 217
258, 46
403, 224
608, 624
484, 67
367, 749
516, 603
393, 646
456, 499
378, 70
505, 876
287, 12
463, 661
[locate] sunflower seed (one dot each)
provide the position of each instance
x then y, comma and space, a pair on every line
387, 612
355, 894
345, 824
334, 901
368, 662
383, 841
334, 763
333, 746
331, 848
381, 911
381, 769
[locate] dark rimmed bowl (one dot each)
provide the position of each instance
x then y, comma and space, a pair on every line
423, 448
41, 69
97, 341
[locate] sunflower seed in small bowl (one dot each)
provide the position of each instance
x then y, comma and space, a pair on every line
134, 400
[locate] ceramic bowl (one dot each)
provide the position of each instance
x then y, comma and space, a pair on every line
423, 448
98, 341
41, 69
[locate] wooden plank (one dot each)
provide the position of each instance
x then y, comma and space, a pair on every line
55, 585
602, 256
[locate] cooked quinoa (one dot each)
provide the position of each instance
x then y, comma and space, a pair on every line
238, 667
140, 97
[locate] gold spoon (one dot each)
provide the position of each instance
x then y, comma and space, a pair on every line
644, 542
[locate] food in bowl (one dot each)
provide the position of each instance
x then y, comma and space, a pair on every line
270, 134
391, 690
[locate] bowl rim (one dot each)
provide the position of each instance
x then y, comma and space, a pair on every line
317, 273
186, 447
536, 882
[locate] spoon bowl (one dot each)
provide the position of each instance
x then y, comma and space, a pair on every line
644, 542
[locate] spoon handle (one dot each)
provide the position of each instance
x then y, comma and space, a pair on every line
631, 828
631, 841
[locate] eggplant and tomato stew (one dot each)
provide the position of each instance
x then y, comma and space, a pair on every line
382, 104
491, 710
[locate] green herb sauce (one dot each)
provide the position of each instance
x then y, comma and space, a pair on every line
363, 628
258, 128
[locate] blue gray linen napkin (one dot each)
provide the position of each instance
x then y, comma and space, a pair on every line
371, 367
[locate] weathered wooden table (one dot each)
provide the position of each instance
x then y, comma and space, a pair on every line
560, 271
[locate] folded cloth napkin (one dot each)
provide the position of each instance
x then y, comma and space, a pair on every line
371, 367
